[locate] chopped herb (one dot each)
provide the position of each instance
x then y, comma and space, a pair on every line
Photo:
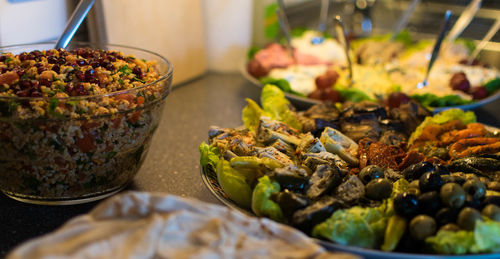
56, 145
7, 60
120, 81
12, 105
72, 103
139, 80
54, 78
125, 70
110, 155
53, 104
24, 76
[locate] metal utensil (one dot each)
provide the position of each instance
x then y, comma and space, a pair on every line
464, 20
323, 15
437, 46
339, 29
484, 41
74, 22
404, 19
285, 27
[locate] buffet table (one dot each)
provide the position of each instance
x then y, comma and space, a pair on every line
172, 164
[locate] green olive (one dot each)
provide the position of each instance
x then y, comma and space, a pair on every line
422, 226
415, 191
450, 227
475, 188
371, 172
378, 189
414, 184
494, 186
446, 178
467, 218
452, 195
491, 211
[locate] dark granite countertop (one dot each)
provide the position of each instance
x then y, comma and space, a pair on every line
172, 164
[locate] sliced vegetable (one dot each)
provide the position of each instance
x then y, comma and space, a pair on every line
492, 85
443, 117
432, 100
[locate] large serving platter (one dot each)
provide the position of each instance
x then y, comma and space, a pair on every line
303, 102
210, 180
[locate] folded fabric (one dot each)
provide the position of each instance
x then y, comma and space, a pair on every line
155, 225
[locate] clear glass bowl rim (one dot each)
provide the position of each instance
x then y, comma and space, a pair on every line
167, 76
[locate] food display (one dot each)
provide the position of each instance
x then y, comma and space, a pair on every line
76, 124
382, 69
363, 174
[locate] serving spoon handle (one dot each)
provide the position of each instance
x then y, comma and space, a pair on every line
484, 41
285, 27
339, 29
404, 19
74, 22
435, 50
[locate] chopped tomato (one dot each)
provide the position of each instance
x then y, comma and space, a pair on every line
86, 144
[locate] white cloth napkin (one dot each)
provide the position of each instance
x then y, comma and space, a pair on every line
155, 225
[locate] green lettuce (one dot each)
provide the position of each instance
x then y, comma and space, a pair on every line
262, 205
234, 184
443, 117
484, 239
352, 94
283, 84
251, 114
432, 100
357, 226
209, 156
492, 85
274, 105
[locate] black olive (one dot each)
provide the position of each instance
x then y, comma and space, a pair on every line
446, 215
492, 199
414, 171
467, 218
470, 201
422, 226
368, 173
494, 186
406, 204
458, 178
442, 170
378, 189
430, 181
491, 211
447, 178
452, 195
429, 203
450, 227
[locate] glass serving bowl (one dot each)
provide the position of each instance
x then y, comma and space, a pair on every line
66, 156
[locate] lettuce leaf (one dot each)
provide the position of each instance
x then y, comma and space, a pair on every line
484, 239
492, 85
283, 84
251, 114
357, 226
274, 106
352, 94
262, 205
432, 100
209, 156
234, 184
443, 117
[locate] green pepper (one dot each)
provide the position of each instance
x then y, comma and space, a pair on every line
262, 205
492, 85
234, 184
396, 227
